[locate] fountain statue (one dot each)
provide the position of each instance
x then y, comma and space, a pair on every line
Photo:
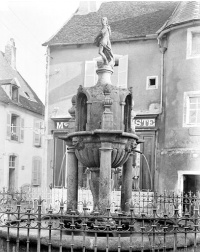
103, 42
101, 136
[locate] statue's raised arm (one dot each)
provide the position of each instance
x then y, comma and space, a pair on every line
102, 40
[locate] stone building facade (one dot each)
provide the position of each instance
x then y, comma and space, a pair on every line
22, 120
157, 53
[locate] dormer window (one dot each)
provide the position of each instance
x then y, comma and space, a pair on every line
14, 93
11, 87
28, 96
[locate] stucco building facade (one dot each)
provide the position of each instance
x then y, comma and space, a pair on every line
156, 48
22, 121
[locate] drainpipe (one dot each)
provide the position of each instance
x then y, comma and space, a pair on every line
45, 172
162, 50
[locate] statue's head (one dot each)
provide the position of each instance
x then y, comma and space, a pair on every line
104, 21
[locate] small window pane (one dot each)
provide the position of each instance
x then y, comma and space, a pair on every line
193, 106
192, 117
196, 43
193, 100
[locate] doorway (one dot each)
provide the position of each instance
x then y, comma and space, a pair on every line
146, 160
191, 183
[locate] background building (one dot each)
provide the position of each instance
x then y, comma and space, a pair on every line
21, 127
157, 55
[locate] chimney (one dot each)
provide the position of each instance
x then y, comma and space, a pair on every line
10, 53
86, 7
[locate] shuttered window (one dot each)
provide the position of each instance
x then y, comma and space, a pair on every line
36, 171
21, 129
15, 127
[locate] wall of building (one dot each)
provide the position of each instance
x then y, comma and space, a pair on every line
24, 151
67, 71
179, 145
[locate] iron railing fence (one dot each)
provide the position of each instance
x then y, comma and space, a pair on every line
154, 222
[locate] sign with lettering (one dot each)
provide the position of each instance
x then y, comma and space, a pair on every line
144, 122
62, 125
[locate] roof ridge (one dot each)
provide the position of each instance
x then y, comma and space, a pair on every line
120, 12
56, 32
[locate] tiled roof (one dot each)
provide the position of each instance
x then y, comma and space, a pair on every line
186, 11
9, 75
127, 19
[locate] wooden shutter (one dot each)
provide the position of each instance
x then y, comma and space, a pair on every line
123, 71
89, 73
36, 134
8, 126
36, 171
21, 129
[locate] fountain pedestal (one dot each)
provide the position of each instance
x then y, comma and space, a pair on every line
126, 190
105, 175
102, 140
72, 177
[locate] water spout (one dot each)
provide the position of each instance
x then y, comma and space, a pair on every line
147, 165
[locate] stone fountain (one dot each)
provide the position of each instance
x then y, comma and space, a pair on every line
101, 136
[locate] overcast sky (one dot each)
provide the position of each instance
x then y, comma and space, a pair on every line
31, 23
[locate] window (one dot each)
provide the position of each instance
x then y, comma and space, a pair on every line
12, 162
191, 117
14, 93
59, 167
29, 96
193, 42
36, 171
37, 134
15, 127
152, 82
12, 172
120, 71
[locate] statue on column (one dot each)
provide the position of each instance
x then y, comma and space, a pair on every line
102, 41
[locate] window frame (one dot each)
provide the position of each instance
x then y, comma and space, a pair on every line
186, 108
13, 89
189, 53
148, 86
19, 127
12, 161
15, 129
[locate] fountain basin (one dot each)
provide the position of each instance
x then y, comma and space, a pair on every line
88, 145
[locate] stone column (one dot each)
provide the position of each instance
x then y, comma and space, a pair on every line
80, 174
126, 189
94, 186
122, 115
105, 176
72, 178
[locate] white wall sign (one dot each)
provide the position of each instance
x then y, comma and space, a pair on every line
144, 123
62, 125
